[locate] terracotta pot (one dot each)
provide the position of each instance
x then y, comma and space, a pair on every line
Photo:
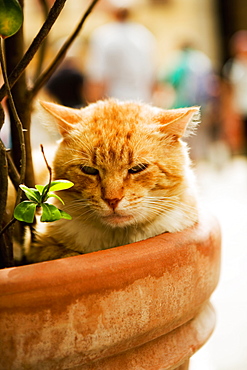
139, 306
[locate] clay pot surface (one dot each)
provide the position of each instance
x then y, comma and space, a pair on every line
113, 309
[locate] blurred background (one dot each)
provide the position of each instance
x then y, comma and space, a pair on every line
173, 53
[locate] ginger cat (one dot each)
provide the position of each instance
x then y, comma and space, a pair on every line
131, 174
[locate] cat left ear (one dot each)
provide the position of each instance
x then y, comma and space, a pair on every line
179, 122
66, 117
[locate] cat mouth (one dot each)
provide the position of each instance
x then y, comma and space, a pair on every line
117, 220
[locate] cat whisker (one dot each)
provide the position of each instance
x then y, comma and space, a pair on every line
86, 215
169, 200
180, 205
187, 210
166, 208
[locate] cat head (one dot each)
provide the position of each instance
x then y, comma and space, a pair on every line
126, 159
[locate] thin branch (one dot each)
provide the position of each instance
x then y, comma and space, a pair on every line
12, 171
11, 222
6, 248
3, 180
43, 48
3, 171
50, 172
1, 116
16, 118
61, 54
28, 56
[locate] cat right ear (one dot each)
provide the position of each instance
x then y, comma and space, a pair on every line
179, 122
66, 117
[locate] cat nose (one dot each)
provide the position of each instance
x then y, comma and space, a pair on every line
112, 202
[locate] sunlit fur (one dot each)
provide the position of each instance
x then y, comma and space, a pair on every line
113, 137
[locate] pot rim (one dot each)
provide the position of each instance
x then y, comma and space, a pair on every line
173, 248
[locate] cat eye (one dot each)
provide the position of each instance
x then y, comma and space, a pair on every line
89, 170
138, 168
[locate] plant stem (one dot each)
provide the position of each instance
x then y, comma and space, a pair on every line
43, 47
11, 222
16, 118
14, 50
50, 174
3, 181
3, 172
1, 116
44, 77
21, 66
12, 171
6, 247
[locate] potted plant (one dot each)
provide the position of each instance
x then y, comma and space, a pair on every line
140, 306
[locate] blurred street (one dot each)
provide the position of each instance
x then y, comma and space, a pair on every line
224, 193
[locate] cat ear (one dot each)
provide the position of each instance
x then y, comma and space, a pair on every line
178, 122
66, 117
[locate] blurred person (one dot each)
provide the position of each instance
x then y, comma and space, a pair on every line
191, 80
121, 59
190, 74
66, 85
234, 108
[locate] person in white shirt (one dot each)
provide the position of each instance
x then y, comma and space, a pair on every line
121, 60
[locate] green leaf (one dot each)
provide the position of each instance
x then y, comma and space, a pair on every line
40, 188
25, 211
50, 195
11, 17
65, 215
31, 193
58, 185
49, 213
